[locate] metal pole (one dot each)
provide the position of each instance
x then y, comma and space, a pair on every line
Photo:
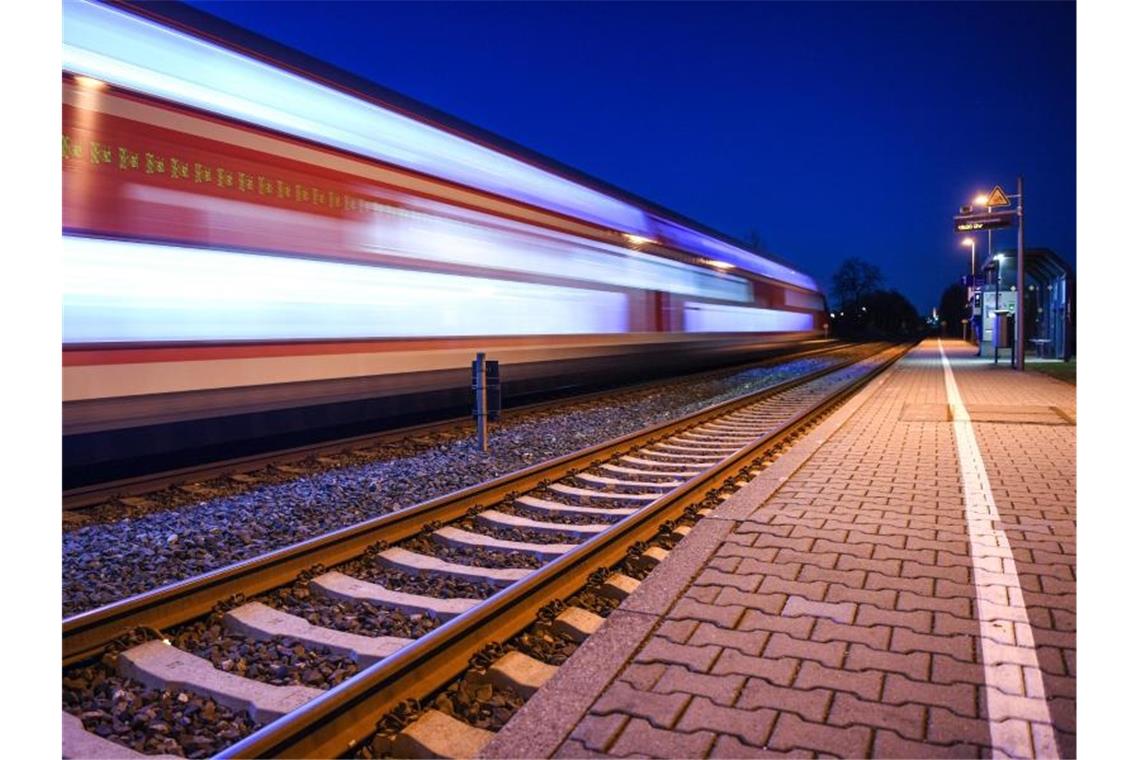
1019, 349
481, 400
997, 305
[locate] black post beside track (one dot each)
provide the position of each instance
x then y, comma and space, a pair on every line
330, 724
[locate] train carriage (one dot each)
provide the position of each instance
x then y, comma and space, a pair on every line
259, 253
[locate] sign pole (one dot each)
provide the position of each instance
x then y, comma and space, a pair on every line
1020, 357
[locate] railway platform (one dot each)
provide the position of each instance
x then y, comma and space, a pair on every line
899, 583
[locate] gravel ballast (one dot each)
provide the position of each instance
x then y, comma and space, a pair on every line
111, 556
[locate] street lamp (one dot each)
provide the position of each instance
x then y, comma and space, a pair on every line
973, 249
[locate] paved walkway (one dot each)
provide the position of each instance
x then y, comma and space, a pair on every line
900, 584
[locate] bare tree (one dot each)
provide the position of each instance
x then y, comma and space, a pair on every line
854, 281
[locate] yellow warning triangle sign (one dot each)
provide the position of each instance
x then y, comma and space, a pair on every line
997, 198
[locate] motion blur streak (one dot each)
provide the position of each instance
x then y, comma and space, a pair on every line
140, 55
132, 52
118, 291
705, 317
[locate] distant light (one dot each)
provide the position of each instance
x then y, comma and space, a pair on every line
967, 241
981, 199
833, 315
637, 239
999, 256
90, 83
864, 308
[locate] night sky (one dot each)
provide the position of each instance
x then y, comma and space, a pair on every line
832, 130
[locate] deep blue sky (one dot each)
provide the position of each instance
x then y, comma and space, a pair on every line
833, 130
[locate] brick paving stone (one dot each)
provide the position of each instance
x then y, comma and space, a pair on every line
829, 653
749, 642
661, 709
791, 732
573, 748
678, 631
915, 665
890, 744
886, 566
786, 570
867, 684
920, 621
876, 637
729, 747
759, 694
776, 670
959, 698
959, 647
908, 720
720, 688
772, 585
722, 614
596, 732
839, 612
757, 620
944, 727
885, 598
910, 601
640, 737
642, 676
751, 726
697, 658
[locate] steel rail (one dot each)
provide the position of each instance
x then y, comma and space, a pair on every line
332, 723
87, 633
82, 497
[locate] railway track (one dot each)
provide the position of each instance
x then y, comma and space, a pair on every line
253, 471
504, 550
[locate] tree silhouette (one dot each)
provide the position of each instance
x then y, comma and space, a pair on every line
854, 281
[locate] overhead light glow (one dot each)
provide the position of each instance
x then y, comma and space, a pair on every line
90, 83
967, 241
721, 265
981, 199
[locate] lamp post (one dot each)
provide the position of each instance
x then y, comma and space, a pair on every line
997, 305
973, 250
970, 289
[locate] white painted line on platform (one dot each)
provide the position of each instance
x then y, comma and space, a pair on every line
1020, 724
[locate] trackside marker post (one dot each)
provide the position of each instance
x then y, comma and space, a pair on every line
488, 396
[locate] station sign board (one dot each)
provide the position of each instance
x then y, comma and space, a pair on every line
975, 222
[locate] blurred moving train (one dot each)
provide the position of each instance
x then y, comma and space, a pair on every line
260, 250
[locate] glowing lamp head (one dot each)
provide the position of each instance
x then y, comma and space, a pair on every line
981, 199
967, 241
88, 83
999, 256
